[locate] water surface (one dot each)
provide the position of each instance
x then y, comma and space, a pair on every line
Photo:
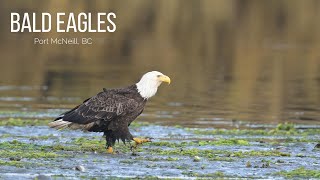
255, 61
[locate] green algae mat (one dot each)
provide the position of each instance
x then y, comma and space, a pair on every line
31, 150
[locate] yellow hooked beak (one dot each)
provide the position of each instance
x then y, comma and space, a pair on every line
164, 78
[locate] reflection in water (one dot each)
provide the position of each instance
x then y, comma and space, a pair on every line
229, 60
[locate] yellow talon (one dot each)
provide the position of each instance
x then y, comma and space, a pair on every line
140, 140
110, 150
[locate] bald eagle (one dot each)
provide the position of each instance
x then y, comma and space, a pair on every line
112, 110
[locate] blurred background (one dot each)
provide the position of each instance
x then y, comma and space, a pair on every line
231, 61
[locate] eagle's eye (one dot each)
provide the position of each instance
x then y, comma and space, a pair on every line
158, 76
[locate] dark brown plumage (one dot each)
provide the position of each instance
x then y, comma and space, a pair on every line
110, 111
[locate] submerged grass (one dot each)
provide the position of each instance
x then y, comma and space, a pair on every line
156, 159
284, 129
217, 174
97, 144
12, 163
194, 154
300, 172
220, 142
23, 122
29, 155
17, 149
213, 154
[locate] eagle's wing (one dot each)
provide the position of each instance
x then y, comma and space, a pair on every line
101, 108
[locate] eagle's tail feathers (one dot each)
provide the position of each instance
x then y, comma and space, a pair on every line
61, 124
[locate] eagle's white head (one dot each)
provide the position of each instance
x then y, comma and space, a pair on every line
149, 83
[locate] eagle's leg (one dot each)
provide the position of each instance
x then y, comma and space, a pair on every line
110, 150
138, 141
110, 141
141, 140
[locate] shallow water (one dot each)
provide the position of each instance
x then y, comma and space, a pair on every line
198, 107
151, 160
255, 61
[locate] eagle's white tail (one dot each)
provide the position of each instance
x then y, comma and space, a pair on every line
59, 124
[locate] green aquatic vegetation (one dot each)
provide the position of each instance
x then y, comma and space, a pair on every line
23, 122
20, 164
310, 132
285, 129
12, 163
218, 158
96, 144
138, 178
26, 150
60, 147
228, 132
300, 172
181, 152
182, 167
301, 155
225, 142
220, 142
93, 144
89, 144
85, 146
217, 174
17, 145
45, 137
172, 159
213, 154
141, 158
264, 163
170, 144
30, 155
178, 126
5, 135
284, 141
242, 154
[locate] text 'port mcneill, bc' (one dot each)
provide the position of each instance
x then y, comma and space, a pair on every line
61, 41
